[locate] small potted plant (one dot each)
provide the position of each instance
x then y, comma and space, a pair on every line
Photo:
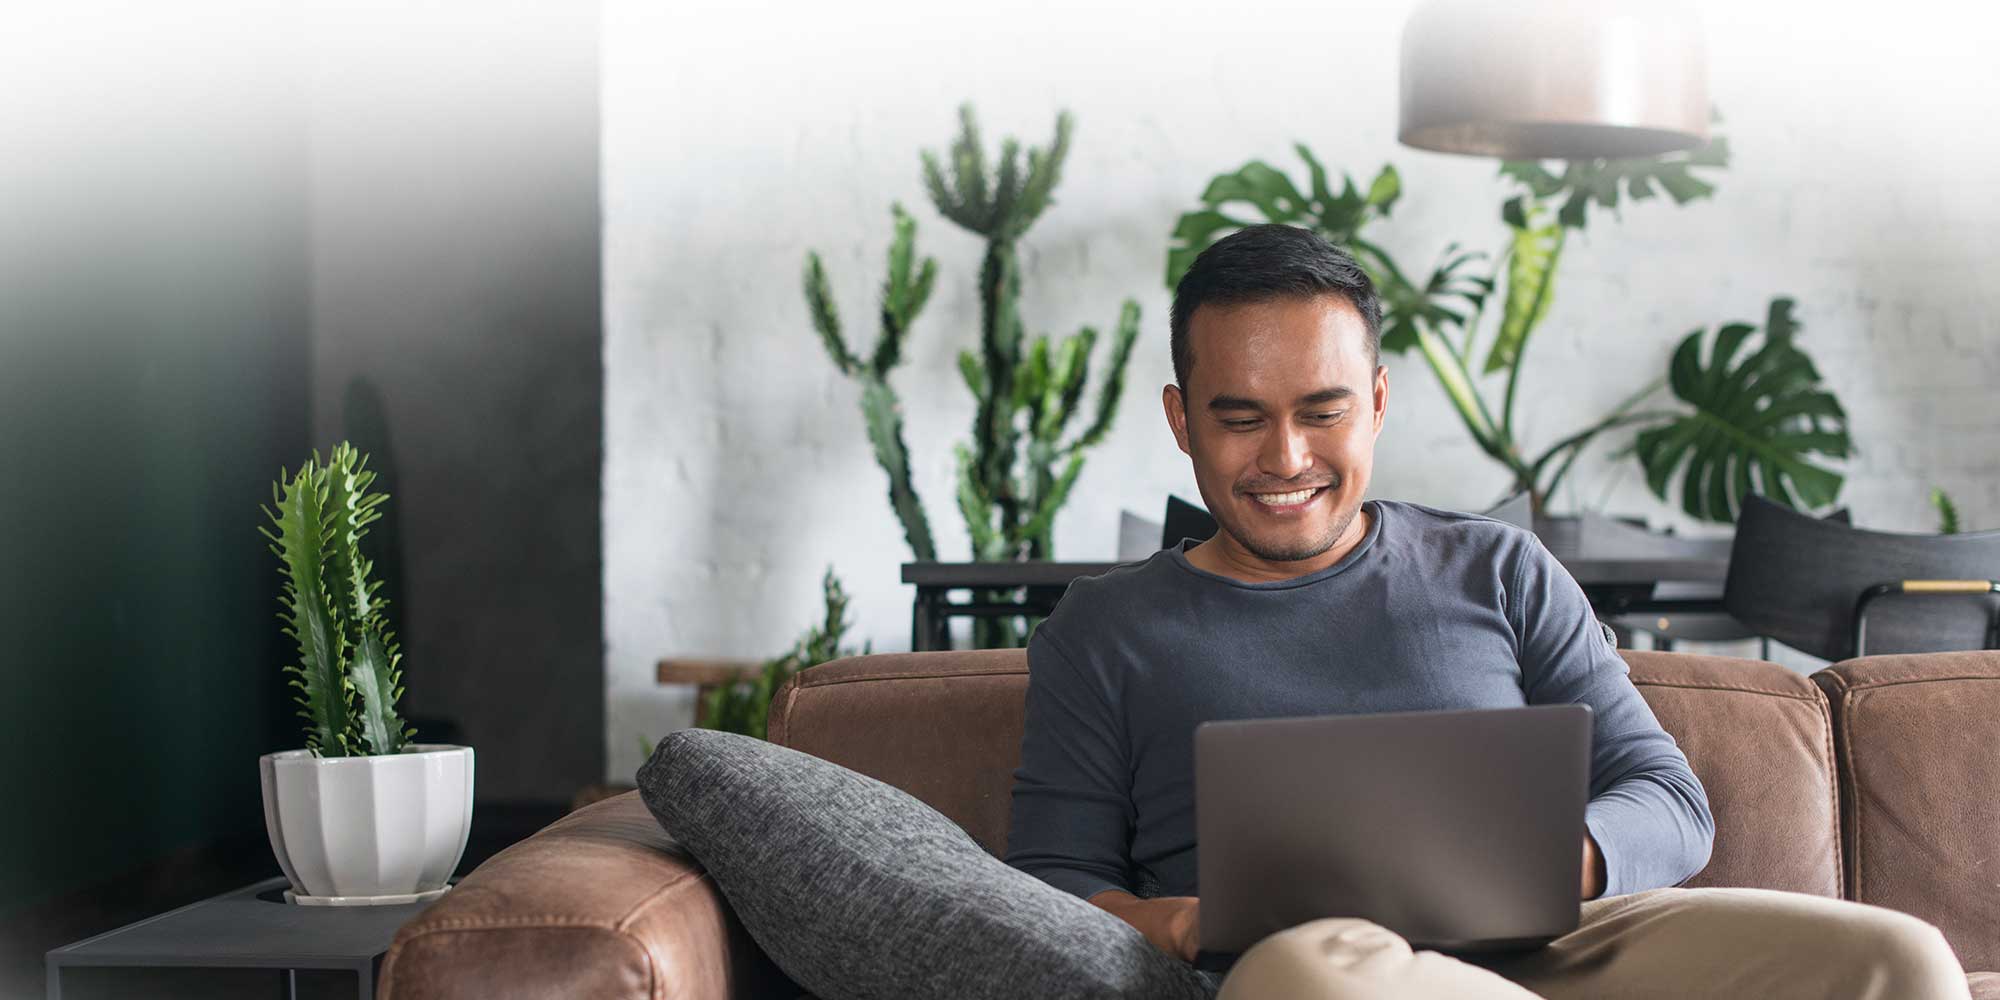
362, 815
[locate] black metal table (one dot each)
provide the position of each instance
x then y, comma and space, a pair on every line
1620, 567
252, 927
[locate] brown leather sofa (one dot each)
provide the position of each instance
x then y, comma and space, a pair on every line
1876, 779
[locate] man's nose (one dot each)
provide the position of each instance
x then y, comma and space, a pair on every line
1287, 452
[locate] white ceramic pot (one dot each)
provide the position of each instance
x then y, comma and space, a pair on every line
354, 828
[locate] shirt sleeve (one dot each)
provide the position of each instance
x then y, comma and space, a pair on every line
1648, 811
1072, 803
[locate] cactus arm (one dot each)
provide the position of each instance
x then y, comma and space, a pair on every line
974, 375
885, 432
826, 317
1044, 171
375, 677
372, 666
941, 195
968, 164
903, 296
976, 506
1066, 380
1114, 380
309, 615
1040, 527
1007, 190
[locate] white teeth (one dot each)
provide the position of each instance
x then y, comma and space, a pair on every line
1283, 499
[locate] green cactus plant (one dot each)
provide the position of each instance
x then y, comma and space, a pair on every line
349, 671
1018, 471
744, 707
904, 293
1023, 458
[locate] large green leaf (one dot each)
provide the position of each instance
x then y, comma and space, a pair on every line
1259, 193
1755, 426
1447, 299
1531, 274
1586, 182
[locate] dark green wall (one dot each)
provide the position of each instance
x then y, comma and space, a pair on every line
153, 367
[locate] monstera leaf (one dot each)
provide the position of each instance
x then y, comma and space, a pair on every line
1755, 425
1586, 182
1531, 275
1445, 299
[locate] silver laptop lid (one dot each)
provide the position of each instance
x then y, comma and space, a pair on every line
1459, 830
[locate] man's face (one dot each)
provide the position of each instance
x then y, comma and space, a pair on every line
1280, 416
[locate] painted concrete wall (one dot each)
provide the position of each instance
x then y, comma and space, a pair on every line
153, 369
456, 333
737, 137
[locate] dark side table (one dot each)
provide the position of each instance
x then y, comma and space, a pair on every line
251, 928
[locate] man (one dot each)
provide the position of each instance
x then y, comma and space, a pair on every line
1311, 600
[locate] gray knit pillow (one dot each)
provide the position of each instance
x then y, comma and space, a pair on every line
858, 890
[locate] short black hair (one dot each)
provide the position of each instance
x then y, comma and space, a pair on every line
1267, 262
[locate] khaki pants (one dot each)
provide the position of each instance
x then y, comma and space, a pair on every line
1666, 943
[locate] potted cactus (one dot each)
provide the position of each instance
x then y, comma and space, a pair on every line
362, 814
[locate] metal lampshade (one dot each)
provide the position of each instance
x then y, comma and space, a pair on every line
1554, 79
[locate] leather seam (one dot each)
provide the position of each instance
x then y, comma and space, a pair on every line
1852, 701
1696, 686
1833, 788
654, 982
1873, 685
905, 676
654, 896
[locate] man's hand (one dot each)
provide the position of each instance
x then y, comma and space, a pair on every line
1171, 923
1593, 869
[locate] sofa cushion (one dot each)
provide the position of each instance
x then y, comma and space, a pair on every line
1920, 790
1758, 737
858, 890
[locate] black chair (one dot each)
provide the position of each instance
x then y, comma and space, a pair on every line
1670, 630
1835, 591
1185, 520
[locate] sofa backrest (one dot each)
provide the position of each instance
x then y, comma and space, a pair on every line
1759, 738
946, 727
1919, 744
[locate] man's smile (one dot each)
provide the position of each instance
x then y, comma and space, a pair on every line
1294, 500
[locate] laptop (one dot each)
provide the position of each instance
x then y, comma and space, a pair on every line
1461, 831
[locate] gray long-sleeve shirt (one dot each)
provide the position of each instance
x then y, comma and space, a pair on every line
1432, 610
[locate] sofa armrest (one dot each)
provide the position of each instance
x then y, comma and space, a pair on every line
601, 904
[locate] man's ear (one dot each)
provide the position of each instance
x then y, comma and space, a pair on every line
1176, 407
1381, 397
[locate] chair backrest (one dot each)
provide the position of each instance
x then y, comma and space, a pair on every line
946, 727
1795, 578
1186, 520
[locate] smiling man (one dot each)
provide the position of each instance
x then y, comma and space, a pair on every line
1311, 599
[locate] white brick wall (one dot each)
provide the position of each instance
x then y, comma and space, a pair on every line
736, 139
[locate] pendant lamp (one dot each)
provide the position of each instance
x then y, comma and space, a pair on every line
1554, 79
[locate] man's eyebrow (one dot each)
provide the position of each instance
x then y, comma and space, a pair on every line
1339, 393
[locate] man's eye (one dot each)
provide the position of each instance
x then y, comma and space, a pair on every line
1326, 416
1239, 424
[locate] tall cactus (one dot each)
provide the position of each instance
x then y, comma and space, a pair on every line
1009, 488
1019, 467
904, 293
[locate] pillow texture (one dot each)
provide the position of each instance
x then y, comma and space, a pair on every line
859, 891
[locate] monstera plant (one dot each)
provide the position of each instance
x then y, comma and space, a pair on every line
1753, 425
